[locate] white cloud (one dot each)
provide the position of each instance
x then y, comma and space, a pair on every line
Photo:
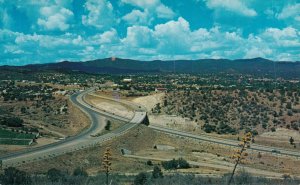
173, 39
290, 11
177, 38
151, 9
236, 6
13, 49
55, 18
164, 12
5, 18
255, 52
45, 14
100, 14
145, 4
139, 36
108, 37
286, 37
137, 17
174, 36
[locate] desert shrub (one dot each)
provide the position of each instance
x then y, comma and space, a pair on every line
108, 125
55, 175
243, 178
140, 179
149, 163
170, 165
225, 128
182, 163
175, 164
254, 132
209, 128
157, 173
80, 172
12, 122
14, 176
295, 126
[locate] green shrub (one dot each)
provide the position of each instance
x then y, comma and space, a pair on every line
108, 125
157, 173
80, 172
14, 176
55, 175
209, 128
175, 164
140, 179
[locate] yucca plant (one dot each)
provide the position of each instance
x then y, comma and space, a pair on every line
241, 154
107, 163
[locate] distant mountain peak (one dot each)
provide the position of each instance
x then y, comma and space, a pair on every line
261, 59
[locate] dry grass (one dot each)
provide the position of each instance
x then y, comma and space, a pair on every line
77, 120
141, 141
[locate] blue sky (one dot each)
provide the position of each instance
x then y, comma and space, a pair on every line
42, 31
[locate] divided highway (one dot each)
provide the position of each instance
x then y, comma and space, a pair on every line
97, 117
78, 142
206, 138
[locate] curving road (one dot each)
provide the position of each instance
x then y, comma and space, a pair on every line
80, 141
97, 117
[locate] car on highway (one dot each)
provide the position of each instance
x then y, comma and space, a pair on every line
275, 151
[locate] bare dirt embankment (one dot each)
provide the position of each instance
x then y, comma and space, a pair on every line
279, 138
171, 121
110, 106
149, 101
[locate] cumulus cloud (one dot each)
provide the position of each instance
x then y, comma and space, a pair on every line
173, 36
100, 14
137, 17
164, 12
287, 37
255, 52
107, 37
151, 9
146, 4
139, 36
236, 6
45, 14
55, 18
150, 30
290, 11
38, 48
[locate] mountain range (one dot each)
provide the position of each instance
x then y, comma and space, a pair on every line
255, 66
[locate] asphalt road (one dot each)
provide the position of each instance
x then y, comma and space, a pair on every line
97, 117
78, 142
206, 138
227, 142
